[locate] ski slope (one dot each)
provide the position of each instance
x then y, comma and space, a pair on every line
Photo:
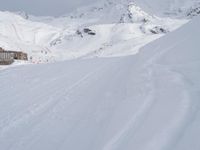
148, 101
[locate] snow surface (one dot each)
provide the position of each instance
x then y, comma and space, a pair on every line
173, 8
148, 101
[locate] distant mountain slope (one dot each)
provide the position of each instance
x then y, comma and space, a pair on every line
17, 33
146, 101
102, 29
174, 8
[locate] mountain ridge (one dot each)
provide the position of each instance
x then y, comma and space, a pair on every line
50, 39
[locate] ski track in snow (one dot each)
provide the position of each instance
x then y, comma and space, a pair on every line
48, 105
171, 133
164, 138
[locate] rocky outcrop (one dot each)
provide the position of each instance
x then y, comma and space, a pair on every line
194, 11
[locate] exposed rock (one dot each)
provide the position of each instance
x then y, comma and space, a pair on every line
78, 32
194, 12
158, 30
91, 33
87, 30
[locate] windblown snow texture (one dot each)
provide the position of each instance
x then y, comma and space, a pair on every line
146, 101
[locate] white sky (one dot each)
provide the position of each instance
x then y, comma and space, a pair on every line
42, 7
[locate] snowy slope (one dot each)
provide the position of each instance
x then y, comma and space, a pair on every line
17, 33
173, 8
121, 27
146, 101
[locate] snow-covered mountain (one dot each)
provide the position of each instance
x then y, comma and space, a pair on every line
141, 93
101, 29
173, 8
148, 101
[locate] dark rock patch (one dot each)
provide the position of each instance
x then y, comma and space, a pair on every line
158, 30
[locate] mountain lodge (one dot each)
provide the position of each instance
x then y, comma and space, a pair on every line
7, 57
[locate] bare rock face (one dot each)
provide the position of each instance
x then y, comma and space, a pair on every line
194, 11
89, 31
85, 31
158, 30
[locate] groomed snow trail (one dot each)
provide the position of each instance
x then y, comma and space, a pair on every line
148, 101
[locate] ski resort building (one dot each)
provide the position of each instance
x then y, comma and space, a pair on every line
7, 57
18, 55
1, 49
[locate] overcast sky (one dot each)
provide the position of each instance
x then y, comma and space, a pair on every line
42, 7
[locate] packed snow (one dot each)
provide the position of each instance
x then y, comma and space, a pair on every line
147, 101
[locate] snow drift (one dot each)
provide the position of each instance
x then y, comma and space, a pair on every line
146, 101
